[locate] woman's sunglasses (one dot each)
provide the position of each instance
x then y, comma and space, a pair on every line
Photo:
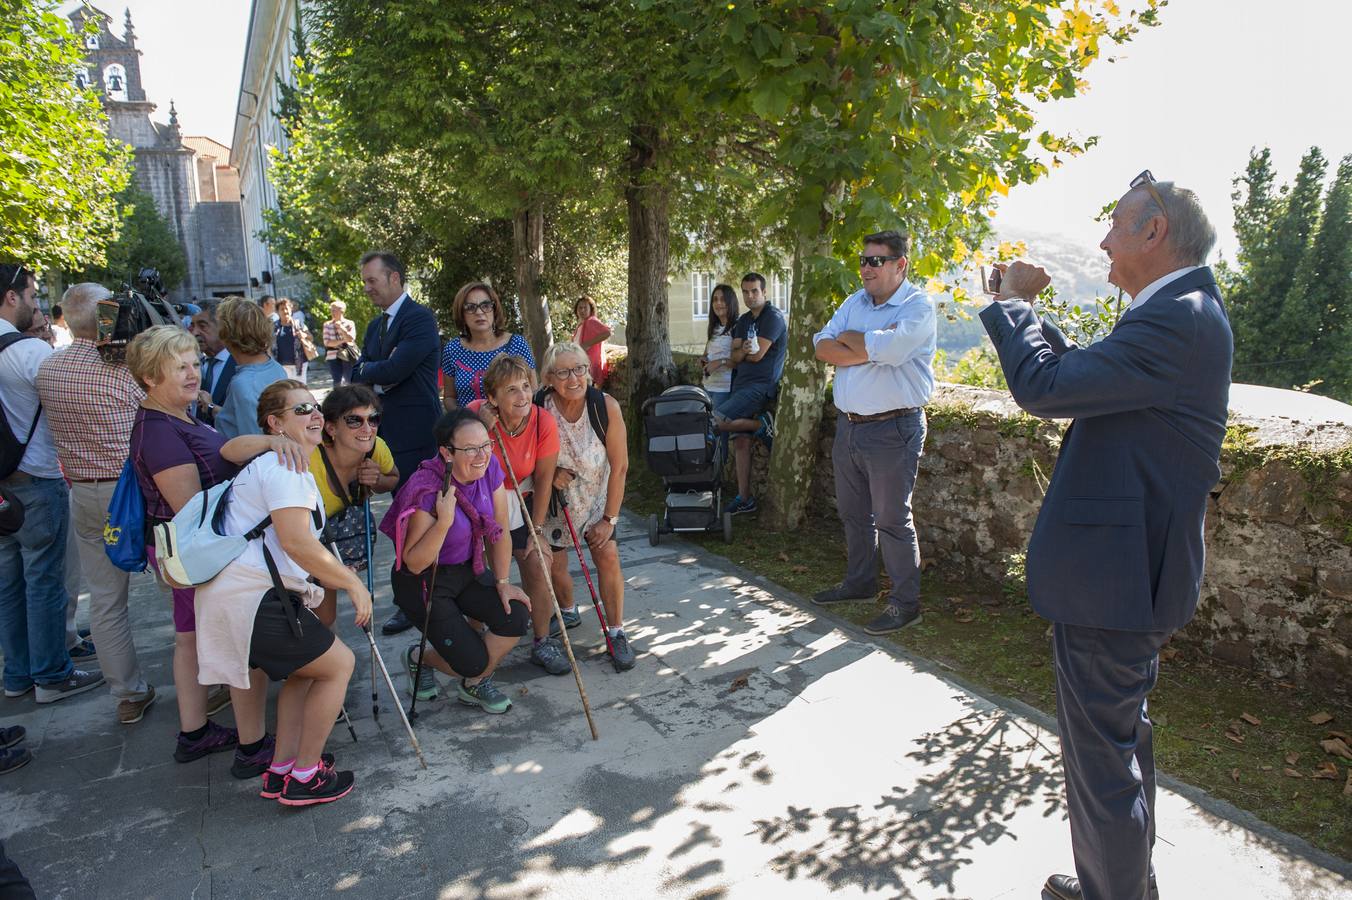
304, 409
354, 421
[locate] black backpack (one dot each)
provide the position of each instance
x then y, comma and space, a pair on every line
596, 408
11, 448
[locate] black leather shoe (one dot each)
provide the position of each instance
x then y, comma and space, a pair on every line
396, 623
1067, 887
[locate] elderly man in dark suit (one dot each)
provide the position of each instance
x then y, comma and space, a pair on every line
399, 360
1116, 557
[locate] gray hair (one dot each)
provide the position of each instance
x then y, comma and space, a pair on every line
555, 351
1191, 235
80, 304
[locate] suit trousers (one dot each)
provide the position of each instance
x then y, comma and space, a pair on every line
875, 466
1103, 677
109, 621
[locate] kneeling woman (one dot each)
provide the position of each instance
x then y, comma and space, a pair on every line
452, 505
245, 619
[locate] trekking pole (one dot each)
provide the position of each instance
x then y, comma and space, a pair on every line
596, 600
350, 730
549, 581
389, 683
371, 589
427, 615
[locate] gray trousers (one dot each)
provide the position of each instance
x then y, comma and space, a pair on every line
1107, 749
875, 466
109, 622
73, 583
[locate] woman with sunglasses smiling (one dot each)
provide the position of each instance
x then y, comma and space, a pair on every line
350, 465
482, 322
246, 622
590, 474
448, 527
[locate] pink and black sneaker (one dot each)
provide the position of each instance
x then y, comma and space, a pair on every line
274, 783
327, 785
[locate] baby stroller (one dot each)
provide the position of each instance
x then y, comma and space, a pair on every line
684, 451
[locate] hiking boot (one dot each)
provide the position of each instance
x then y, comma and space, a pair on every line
11, 735
484, 695
251, 765
571, 617
216, 739
78, 682
130, 711
891, 619
621, 653
218, 698
14, 758
549, 655
84, 654
396, 624
741, 505
426, 677
838, 594
327, 785
274, 783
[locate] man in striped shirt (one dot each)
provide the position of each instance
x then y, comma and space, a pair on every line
90, 405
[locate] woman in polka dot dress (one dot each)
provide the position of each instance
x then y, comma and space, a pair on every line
483, 338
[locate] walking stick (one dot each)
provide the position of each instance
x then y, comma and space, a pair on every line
596, 599
539, 552
427, 616
371, 589
389, 683
350, 730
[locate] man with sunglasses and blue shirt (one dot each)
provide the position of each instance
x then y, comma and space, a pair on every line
1116, 558
881, 342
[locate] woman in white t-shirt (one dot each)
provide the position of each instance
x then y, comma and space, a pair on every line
717, 357
243, 623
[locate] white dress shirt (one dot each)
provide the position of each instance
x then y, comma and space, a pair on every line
1153, 287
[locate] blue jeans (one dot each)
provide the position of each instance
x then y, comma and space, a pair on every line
875, 466
340, 371
32, 587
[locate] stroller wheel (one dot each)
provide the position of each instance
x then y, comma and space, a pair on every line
727, 528
652, 531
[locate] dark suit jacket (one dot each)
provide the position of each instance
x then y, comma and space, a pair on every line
406, 368
222, 383
1118, 542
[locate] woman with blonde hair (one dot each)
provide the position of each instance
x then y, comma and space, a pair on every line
247, 333
257, 614
591, 471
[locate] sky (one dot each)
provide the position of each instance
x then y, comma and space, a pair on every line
1186, 100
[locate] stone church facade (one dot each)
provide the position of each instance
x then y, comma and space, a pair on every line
195, 188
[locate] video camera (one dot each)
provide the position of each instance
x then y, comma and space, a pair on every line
130, 311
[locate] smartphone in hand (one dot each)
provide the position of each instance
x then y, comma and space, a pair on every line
990, 281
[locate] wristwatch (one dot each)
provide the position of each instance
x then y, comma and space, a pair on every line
613, 520
502, 581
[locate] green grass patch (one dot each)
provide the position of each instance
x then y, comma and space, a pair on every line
991, 637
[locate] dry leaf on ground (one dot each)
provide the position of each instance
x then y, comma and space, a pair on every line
1251, 719
1337, 747
1234, 775
799, 570
1237, 738
1266, 768
1325, 770
1292, 773
964, 616
1167, 653
783, 557
738, 683
1320, 718
1292, 758
1347, 788
1211, 749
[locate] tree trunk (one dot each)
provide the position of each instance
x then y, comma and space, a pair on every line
528, 250
802, 393
646, 330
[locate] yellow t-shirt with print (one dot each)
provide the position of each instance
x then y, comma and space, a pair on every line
383, 458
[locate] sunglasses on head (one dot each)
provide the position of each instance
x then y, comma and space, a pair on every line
875, 262
1147, 181
305, 409
354, 421
14, 279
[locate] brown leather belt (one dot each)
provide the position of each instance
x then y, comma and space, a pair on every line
857, 419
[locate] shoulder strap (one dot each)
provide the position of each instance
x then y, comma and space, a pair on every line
6, 341
597, 412
334, 481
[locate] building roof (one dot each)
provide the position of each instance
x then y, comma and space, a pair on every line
205, 146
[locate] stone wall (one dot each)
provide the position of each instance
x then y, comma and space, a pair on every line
1277, 596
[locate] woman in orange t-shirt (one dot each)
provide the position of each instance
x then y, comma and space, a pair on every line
531, 438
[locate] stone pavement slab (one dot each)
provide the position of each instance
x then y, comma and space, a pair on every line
759, 749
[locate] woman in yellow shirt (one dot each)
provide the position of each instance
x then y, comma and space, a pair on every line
350, 465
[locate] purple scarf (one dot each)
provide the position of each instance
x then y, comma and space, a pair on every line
427, 479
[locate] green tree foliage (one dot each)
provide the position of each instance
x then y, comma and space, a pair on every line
866, 116
145, 239
59, 170
1290, 292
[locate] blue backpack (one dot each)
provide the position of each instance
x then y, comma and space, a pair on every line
124, 529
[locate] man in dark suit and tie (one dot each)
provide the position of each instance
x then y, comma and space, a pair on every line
218, 366
399, 360
1116, 557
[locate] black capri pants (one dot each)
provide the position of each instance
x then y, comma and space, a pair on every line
458, 594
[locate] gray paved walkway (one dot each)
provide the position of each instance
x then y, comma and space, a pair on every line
757, 750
